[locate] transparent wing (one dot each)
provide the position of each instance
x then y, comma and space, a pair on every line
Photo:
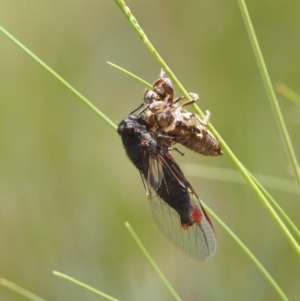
155, 173
194, 234
198, 241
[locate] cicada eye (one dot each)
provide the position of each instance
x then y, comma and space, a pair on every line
130, 129
127, 127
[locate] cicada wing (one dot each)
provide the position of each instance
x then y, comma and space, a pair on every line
171, 168
198, 241
205, 229
155, 173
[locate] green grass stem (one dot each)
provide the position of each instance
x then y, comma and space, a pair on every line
152, 263
270, 91
87, 287
21, 291
126, 11
131, 75
59, 78
249, 253
278, 208
235, 238
233, 176
230, 175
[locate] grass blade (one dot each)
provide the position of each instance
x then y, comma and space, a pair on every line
278, 208
234, 237
229, 175
131, 74
87, 287
249, 253
233, 176
270, 91
152, 263
21, 291
59, 78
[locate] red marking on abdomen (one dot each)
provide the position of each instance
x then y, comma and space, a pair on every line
196, 215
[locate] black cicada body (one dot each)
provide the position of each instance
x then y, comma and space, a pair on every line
168, 118
174, 203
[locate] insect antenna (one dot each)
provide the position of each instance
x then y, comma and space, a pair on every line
144, 109
131, 113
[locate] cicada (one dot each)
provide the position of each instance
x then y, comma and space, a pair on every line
175, 204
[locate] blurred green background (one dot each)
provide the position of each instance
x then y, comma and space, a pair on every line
66, 186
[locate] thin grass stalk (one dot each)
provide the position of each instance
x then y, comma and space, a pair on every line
278, 208
20, 290
87, 287
225, 174
234, 176
261, 268
270, 91
152, 263
249, 253
131, 75
59, 78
